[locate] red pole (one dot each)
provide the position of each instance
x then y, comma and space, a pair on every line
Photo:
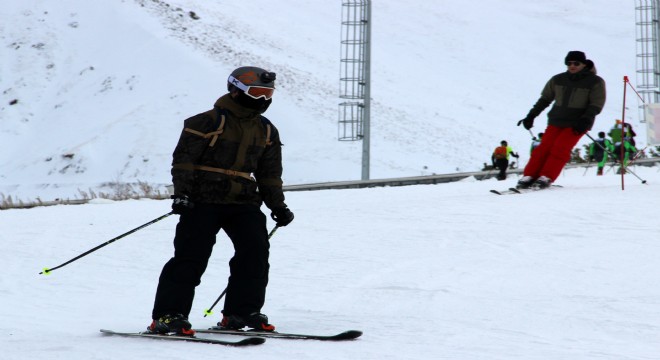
623, 127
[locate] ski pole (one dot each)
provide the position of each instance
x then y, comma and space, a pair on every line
637, 156
532, 134
612, 164
209, 311
613, 156
47, 271
587, 169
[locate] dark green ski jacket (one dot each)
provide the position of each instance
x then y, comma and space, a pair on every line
229, 155
577, 97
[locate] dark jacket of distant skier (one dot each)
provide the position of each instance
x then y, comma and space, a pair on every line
578, 98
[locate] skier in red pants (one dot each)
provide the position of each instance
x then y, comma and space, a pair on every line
578, 95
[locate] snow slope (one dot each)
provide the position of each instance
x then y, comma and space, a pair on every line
445, 271
103, 87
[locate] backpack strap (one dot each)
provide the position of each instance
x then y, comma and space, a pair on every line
192, 167
218, 116
265, 122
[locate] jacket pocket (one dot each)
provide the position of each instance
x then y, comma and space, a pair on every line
579, 99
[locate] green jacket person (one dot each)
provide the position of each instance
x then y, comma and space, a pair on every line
598, 151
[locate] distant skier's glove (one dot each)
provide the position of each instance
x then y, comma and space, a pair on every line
282, 216
515, 155
181, 204
527, 122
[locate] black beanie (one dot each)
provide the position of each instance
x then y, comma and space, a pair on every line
575, 56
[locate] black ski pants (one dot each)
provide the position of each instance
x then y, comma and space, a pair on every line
195, 236
502, 165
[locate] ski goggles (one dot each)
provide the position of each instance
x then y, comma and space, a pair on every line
254, 92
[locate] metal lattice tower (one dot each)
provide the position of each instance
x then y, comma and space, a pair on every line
354, 77
648, 59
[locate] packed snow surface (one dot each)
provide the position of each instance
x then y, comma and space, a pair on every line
447, 271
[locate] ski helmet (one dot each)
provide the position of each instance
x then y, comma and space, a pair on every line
254, 81
255, 87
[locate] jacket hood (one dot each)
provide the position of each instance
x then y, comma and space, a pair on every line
580, 74
227, 102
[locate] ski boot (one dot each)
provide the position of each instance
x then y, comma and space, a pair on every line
525, 182
542, 182
255, 321
171, 324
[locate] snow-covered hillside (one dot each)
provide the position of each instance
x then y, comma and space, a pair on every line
102, 88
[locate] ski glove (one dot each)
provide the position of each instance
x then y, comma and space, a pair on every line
181, 204
582, 126
527, 122
282, 216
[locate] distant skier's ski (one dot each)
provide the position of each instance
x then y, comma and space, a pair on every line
532, 189
346, 335
514, 190
504, 192
243, 342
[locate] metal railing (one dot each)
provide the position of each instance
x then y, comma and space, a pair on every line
351, 184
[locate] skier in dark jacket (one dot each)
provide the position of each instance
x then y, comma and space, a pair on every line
578, 95
500, 158
227, 162
598, 151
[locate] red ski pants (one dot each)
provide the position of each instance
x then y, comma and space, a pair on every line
550, 157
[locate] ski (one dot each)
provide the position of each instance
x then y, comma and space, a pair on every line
532, 189
513, 190
243, 342
346, 335
504, 192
